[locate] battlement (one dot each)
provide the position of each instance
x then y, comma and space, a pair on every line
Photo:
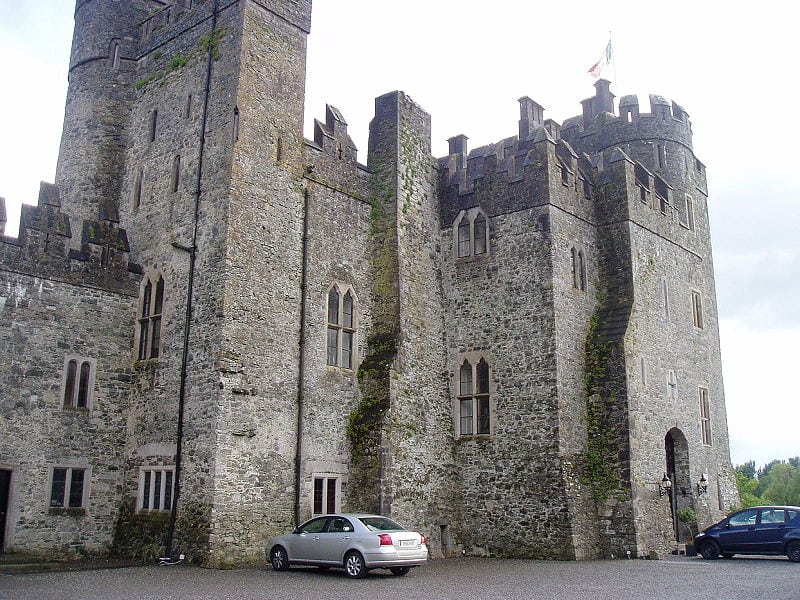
511, 158
43, 246
163, 13
598, 127
331, 158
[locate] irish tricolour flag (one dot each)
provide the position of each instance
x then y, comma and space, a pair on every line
597, 68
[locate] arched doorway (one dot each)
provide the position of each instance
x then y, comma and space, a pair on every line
677, 467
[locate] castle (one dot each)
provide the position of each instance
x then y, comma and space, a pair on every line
212, 328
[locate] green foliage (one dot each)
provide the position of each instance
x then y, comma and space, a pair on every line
777, 482
601, 458
784, 485
747, 489
178, 61
686, 515
211, 42
365, 423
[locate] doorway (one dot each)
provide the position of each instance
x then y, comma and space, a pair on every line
5, 492
677, 466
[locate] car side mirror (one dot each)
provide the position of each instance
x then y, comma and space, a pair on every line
727, 525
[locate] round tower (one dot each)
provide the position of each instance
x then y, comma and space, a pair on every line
101, 86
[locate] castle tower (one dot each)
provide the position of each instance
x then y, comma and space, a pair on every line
102, 71
212, 197
656, 338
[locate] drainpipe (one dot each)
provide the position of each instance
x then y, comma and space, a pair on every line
301, 365
192, 250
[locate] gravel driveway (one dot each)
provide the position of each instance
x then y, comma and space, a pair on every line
456, 579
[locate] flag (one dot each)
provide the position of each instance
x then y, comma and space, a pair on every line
601, 64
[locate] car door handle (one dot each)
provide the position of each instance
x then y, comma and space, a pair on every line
347, 537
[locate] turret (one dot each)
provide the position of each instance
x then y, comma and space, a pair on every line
101, 73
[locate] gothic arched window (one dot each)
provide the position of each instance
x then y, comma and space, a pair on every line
474, 398
341, 327
472, 233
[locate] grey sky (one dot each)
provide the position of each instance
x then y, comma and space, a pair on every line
467, 63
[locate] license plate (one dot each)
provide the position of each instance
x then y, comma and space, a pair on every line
408, 543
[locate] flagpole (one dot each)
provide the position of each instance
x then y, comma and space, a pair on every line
613, 60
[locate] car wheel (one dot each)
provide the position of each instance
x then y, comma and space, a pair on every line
400, 570
793, 551
354, 565
279, 559
709, 550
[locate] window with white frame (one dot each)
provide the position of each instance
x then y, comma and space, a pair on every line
705, 417
78, 382
68, 487
697, 309
326, 494
156, 488
474, 406
151, 306
342, 324
472, 233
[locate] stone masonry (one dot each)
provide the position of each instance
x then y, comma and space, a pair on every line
213, 328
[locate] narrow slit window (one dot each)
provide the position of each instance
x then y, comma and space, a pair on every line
115, 55
697, 310
137, 188
581, 271
153, 124
176, 173
705, 417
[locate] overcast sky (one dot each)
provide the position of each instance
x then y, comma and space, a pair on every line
466, 63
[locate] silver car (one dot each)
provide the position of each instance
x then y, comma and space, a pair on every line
355, 542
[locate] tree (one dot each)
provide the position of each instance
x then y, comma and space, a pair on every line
747, 485
777, 482
784, 485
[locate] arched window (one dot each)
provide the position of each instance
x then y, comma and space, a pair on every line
578, 269
78, 382
152, 304
464, 241
341, 328
472, 234
474, 398
480, 234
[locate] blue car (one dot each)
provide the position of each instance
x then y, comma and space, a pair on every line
757, 530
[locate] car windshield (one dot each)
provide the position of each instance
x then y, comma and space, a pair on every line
381, 524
